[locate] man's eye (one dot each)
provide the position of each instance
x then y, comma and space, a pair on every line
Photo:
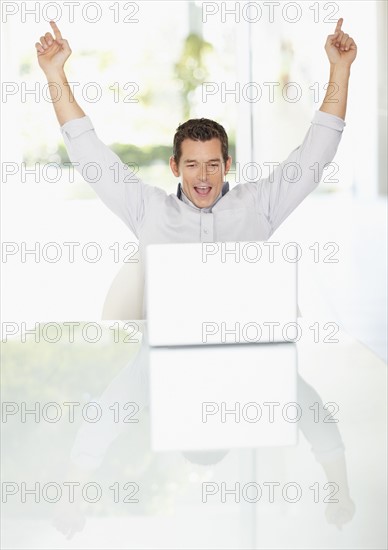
215, 165
190, 165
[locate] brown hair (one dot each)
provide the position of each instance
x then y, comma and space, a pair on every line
200, 129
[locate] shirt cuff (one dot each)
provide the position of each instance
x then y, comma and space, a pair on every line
77, 126
328, 120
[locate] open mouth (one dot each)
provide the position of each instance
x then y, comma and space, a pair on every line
203, 190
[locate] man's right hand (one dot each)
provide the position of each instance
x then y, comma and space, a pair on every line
52, 53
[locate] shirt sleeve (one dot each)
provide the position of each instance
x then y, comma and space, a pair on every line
112, 180
292, 180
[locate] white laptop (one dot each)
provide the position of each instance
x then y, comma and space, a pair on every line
221, 293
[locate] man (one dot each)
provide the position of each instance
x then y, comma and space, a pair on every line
203, 210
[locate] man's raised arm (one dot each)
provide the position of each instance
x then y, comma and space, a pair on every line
99, 166
52, 55
341, 51
295, 178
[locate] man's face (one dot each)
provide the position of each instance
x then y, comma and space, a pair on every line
202, 170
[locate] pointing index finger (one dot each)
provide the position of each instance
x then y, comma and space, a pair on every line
57, 32
339, 24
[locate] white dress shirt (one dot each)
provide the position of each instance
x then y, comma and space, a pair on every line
249, 211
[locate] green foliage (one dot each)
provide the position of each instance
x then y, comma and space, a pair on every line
142, 156
190, 69
128, 153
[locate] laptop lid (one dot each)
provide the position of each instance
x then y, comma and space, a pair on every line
220, 293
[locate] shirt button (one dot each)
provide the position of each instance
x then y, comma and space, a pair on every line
205, 231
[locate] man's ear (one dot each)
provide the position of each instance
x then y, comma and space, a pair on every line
228, 164
174, 167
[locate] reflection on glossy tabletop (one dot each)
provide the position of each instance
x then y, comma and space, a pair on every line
228, 396
234, 446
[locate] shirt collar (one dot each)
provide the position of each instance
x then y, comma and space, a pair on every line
181, 196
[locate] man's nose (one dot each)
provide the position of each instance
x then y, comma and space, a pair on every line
202, 171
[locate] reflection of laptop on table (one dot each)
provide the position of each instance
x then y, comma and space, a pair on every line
223, 397
221, 293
